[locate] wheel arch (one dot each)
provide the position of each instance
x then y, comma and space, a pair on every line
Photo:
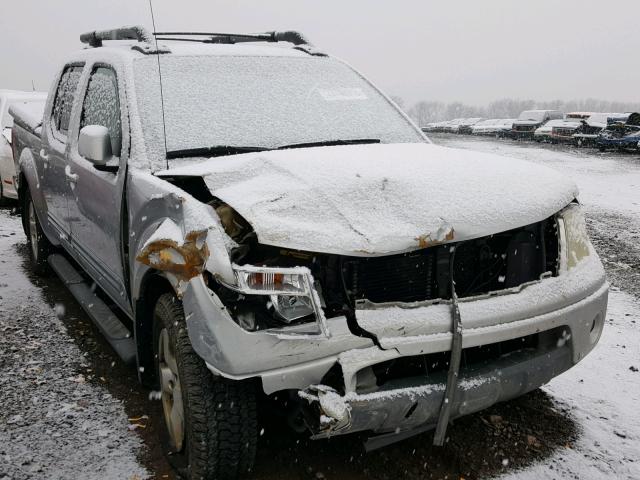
28, 181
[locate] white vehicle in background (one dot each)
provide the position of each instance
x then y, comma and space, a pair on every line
530, 120
564, 132
466, 126
453, 126
544, 133
32, 102
494, 126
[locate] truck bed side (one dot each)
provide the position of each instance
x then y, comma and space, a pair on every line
27, 126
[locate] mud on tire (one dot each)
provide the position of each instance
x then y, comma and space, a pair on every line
219, 433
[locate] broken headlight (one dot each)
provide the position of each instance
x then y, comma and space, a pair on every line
291, 308
290, 290
574, 240
270, 281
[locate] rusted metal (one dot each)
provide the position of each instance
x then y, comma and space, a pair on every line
425, 241
184, 261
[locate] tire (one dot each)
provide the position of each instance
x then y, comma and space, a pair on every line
3, 201
218, 434
39, 246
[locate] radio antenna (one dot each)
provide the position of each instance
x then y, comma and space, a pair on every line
164, 124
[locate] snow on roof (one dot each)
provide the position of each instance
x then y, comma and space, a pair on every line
245, 49
124, 50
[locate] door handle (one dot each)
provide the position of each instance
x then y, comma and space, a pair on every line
43, 155
72, 177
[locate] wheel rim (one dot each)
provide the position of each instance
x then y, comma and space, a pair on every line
171, 389
33, 231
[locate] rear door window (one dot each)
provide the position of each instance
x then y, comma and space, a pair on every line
65, 96
102, 105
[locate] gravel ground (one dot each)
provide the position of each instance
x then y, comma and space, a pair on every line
57, 421
70, 409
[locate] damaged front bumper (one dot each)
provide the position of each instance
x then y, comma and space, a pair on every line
399, 407
411, 405
576, 300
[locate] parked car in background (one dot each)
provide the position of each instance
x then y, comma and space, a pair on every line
587, 132
621, 135
579, 116
440, 126
530, 120
563, 132
466, 126
429, 127
346, 273
496, 127
543, 133
453, 126
34, 101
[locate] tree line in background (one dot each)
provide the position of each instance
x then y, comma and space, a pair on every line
429, 111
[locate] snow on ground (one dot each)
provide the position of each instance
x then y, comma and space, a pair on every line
57, 420
603, 394
606, 181
603, 391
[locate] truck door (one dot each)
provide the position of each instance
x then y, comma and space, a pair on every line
95, 205
51, 160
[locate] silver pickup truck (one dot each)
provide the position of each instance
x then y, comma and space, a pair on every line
249, 219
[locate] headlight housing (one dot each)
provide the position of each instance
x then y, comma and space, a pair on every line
573, 236
292, 307
290, 290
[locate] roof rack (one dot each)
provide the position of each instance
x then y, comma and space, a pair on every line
299, 41
147, 40
95, 38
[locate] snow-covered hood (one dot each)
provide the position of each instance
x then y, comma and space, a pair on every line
380, 199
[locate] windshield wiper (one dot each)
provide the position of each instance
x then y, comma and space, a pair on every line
327, 143
214, 151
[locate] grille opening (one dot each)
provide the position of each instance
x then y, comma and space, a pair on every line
437, 363
483, 265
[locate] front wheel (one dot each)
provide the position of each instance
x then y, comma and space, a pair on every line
39, 246
210, 423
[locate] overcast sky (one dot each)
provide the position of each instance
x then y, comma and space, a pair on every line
467, 50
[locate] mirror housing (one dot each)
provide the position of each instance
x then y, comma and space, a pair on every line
94, 144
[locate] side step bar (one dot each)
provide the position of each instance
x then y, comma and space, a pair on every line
118, 336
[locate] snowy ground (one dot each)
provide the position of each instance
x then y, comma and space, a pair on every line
57, 418
67, 404
603, 392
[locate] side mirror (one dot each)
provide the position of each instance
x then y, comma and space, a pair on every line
94, 144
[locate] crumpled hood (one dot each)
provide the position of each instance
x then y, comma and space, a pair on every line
380, 199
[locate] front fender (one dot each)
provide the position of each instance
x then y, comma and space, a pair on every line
172, 232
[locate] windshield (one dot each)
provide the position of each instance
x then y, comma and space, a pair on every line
262, 102
534, 115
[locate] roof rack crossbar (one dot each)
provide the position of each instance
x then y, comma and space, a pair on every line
136, 32
296, 38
